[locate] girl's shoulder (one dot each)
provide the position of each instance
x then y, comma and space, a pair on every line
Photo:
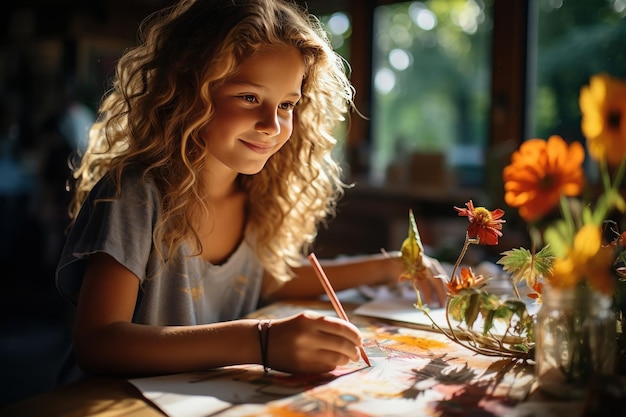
131, 186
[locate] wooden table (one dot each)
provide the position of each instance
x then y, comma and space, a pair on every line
102, 397
463, 378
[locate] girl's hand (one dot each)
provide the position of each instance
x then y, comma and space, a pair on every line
433, 288
311, 343
431, 283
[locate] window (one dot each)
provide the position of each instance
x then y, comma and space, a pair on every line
431, 91
436, 89
572, 41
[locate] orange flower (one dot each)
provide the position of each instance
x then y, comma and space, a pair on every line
466, 279
484, 224
603, 107
540, 172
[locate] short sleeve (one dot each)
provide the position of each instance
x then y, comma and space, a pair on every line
121, 227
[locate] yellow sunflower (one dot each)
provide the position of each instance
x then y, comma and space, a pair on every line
540, 172
603, 107
587, 259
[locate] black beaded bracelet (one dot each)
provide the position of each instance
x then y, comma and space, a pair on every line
263, 341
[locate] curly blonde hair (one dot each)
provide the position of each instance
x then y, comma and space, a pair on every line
161, 100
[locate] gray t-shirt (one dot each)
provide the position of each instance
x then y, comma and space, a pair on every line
186, 290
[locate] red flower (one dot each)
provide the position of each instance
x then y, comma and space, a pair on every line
484, 224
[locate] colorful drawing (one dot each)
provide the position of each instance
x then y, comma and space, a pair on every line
413, 373
404, 384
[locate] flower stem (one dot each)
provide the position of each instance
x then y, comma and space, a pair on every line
466, 244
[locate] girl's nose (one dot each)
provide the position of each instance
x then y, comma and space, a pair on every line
268, 122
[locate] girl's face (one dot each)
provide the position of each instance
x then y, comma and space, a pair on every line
254, 110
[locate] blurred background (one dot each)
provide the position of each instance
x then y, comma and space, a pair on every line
449, 89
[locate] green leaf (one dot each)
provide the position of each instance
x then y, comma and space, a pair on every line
616, 200
544, 260
521, 346
473, 307
517, 307
488, 321
559, 236
412, 248
516, 260
457, 307
589, 217
503, 313
522, 265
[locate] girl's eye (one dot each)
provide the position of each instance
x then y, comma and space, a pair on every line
249, 98
287, 106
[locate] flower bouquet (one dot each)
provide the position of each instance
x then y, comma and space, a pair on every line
472, 312
577, 248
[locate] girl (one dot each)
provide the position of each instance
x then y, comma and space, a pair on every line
203, 184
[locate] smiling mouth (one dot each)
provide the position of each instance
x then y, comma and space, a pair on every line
258, 148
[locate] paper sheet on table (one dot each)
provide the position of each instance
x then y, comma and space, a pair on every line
183, 395
402, 310
204, 393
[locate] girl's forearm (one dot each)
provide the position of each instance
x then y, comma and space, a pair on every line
124, 348
343, 273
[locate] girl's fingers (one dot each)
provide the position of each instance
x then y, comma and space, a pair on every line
310, 343
336, 328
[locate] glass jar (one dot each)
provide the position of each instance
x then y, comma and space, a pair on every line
575, 341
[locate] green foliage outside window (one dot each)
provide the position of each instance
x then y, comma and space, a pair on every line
431, 74
573, 40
